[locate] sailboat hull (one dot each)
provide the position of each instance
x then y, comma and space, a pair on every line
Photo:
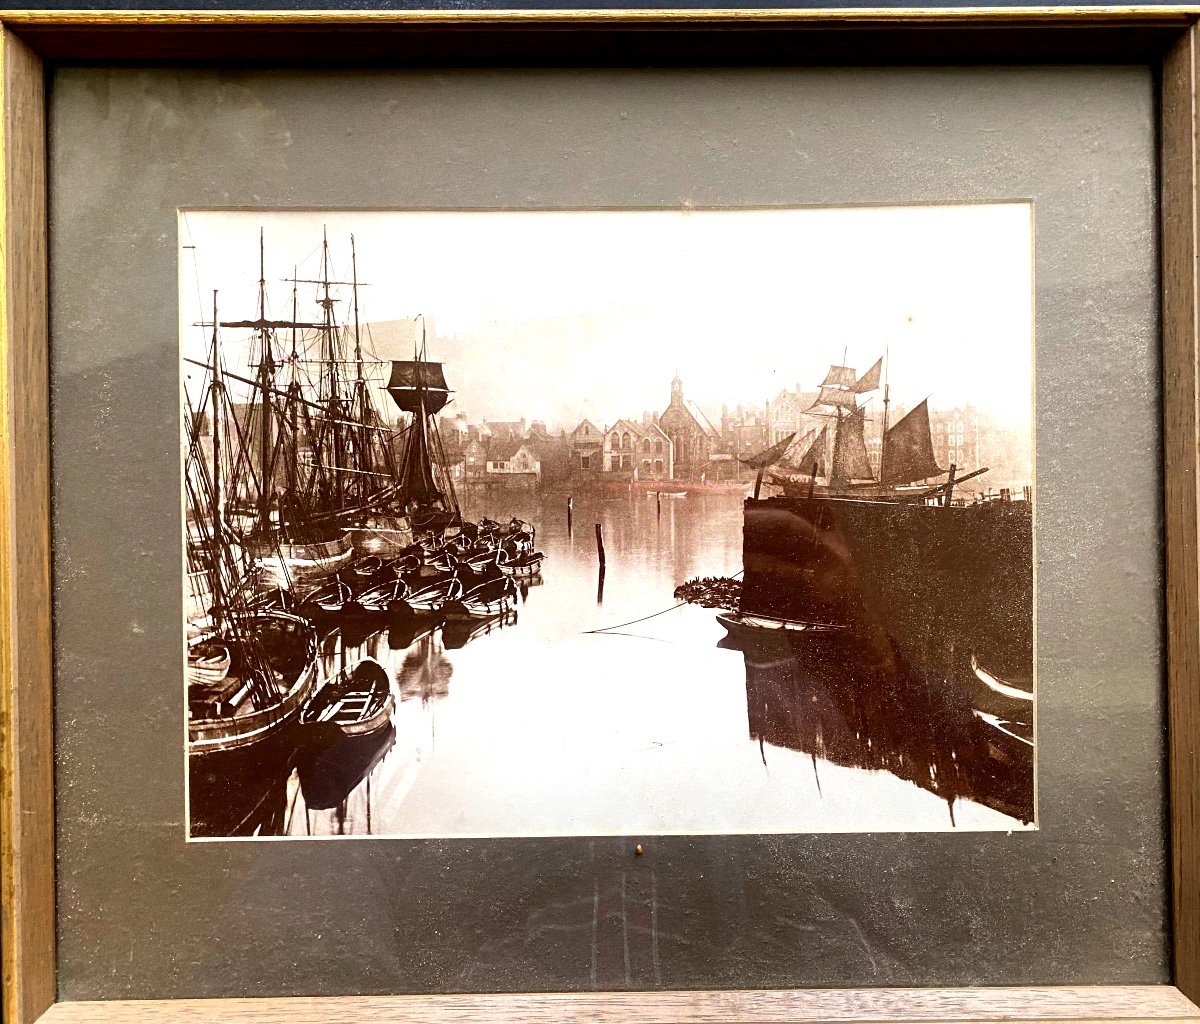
292, 657
381, 535
939, 584
298, 567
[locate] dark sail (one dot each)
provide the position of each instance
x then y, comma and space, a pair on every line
770, 456
850, 460
418, 387
417, 482
908, 449
869, 381
814, 458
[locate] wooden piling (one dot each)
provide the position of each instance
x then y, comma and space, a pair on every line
600, 546
950, 486
570, 515
658, 503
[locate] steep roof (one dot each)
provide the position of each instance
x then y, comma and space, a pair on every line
502, 450
701, 420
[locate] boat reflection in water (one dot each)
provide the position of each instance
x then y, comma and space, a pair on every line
825, 696
538, 730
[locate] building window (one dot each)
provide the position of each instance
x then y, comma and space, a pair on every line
646, 445
585, 462
624, 461
658, 467
658, 448
616, 440
625, 440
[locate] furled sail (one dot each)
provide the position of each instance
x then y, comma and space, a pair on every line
850, 461
418, 386
263, 324
908, 449
839, 376
770, 456
869, 381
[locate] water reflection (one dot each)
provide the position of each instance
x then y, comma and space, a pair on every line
821, 697
548, 720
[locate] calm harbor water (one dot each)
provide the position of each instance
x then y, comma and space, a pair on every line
611, 710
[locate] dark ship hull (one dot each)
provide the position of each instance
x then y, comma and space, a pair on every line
936, 584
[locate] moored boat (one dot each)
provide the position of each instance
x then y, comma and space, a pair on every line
357, 701
272, 672
891, 554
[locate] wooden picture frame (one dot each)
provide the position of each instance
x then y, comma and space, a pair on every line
1165, 38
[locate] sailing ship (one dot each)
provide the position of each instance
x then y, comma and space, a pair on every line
890, 562
289, 522
249, 668
419, 389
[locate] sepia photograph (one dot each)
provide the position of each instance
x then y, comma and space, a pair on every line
607, 522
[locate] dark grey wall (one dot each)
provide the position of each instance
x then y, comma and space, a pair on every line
142, 914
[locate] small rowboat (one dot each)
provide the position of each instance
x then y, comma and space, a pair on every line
431, 594
524, 567
361, 568
739, 624
357, 701
380, 596
331, 598
487, 596
208, 662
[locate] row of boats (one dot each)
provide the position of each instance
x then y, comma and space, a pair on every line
306, 506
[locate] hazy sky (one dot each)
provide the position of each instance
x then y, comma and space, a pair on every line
557, 315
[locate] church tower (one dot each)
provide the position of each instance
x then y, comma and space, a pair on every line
676, 390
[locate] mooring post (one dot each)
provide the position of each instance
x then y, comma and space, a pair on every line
570, 515
950, 486
600, 546
658, 502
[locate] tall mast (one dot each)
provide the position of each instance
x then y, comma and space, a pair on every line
293, 403
354, 285
887, 365
218, 530
265, 375
331, 354
365, 462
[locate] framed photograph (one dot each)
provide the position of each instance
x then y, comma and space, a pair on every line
600, 515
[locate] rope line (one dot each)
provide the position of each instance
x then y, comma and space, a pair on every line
653, 615
634, 622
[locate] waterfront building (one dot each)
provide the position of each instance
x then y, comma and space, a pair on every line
695, 442
512, 457
586, 443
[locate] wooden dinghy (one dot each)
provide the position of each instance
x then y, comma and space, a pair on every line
485, 595
357, 701
525, 566
208, 661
